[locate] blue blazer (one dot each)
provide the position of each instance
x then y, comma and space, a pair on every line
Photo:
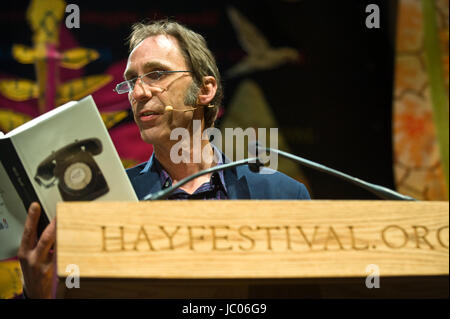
241, 183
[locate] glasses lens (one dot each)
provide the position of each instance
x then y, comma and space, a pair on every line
152, 77
123, 87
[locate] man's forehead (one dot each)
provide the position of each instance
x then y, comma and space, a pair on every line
161, 43
165, 41
155, 47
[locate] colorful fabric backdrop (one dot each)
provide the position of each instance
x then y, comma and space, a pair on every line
349, 97
421, 166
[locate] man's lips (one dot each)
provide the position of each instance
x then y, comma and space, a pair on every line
146, 116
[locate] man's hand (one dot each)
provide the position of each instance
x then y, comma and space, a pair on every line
36, 257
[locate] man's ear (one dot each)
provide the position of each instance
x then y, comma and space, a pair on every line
207, 91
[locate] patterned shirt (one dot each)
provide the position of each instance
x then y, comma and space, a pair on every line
214, 189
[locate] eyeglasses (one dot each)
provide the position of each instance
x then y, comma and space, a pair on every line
148, 78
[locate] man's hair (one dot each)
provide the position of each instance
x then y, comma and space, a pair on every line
198, 58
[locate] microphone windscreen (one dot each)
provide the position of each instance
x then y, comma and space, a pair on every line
168, 108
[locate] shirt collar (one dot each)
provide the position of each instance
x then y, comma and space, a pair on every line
154, 165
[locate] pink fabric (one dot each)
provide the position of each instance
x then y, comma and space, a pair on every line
128, 142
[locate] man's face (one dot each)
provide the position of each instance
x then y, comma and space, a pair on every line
159, 53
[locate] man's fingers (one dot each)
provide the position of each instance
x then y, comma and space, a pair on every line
46, 241
30, 229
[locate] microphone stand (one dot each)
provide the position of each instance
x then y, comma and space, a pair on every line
380, 191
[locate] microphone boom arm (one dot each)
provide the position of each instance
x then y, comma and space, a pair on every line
378, 190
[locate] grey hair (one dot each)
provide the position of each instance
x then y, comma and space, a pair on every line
197, 56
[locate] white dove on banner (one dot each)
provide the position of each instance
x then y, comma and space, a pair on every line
261, 56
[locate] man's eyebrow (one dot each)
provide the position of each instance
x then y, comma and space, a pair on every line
153, 65
129, 74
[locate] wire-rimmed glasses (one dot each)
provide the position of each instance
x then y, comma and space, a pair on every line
148, 78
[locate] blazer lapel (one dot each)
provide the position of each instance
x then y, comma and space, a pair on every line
148, 180
237, 186
236, 183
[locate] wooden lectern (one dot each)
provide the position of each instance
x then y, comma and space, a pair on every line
253, 249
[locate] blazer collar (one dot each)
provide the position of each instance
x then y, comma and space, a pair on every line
150, 176
235, 180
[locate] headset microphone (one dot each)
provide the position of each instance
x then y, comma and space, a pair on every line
170, 108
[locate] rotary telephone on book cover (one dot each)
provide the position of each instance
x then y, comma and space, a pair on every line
73, 166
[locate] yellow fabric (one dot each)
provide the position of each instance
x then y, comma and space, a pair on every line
9, 120
78, 57
23, 54
44, 17
19, 89
10, 279
79, 88
112, 118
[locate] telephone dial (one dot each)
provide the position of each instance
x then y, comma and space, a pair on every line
73, 166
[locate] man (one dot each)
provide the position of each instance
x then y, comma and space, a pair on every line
193, 90
172, 80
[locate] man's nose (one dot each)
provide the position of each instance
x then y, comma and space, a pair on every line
141, 91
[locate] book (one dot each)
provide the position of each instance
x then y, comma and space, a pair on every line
65, 154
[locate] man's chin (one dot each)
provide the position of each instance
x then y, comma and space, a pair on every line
147, 137
152, 136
